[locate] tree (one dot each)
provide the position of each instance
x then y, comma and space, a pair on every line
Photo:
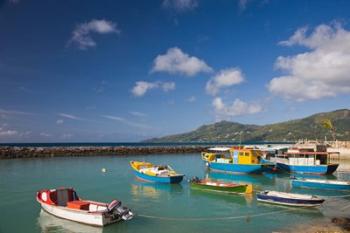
327, 124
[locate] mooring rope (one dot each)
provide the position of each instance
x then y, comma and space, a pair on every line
334, 197
345, 207
247, 216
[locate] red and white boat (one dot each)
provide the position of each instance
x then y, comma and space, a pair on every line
65, 203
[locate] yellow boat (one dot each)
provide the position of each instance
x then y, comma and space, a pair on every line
155, 173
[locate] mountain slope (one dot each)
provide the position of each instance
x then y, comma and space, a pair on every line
309, 127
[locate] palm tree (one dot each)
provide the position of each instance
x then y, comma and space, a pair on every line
327, 123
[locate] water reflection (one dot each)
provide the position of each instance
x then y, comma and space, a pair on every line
244, 200
153, 190
240, 178
312, 212
49, 224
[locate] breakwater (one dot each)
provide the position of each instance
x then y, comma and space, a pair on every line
9, 152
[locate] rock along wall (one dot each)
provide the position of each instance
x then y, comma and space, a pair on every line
42, 152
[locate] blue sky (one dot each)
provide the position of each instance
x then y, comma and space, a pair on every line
117, 71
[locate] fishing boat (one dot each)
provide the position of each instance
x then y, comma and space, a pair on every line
289, 199
235, 159
218, 186
65, 203
321, 184
155, 173
302, 159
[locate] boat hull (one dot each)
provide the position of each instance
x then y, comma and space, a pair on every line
316, 185
159, 179
288, 201
238, 168
94, 219
238, 189
312, 169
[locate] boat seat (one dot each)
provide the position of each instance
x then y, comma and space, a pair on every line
95, 208
80, 205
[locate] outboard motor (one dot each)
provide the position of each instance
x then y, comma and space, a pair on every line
120, 211
125, 213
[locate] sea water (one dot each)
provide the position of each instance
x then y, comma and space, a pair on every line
157, 207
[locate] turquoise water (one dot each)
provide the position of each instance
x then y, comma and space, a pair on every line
159, 208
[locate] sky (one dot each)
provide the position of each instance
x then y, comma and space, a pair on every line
125, 71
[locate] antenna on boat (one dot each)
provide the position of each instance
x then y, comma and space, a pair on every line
240, 138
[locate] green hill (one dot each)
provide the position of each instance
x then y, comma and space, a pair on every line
306, 128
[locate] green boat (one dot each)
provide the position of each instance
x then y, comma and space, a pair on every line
219, 186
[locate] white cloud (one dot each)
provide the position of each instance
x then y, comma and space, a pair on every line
115, 118
81, 35
69, 116
13, 112
67, 135
177, 62
138, 114
127, 122
237, 108
141, 87
321, 72
101, 87
167, 86
59, 121
180, 5
8, 133
13, 1
43, 134
191, 99
25, 133
242, 4
225, 78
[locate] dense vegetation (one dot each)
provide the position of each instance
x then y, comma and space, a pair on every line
307, 128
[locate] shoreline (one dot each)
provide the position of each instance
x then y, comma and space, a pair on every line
49, 152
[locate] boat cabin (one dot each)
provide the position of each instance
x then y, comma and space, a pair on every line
245, 155
215, 153
233, 155
300, 156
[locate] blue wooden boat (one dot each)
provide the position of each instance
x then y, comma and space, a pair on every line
298, 160
153, 173
289, 199
321, 184
238, 160
239, 168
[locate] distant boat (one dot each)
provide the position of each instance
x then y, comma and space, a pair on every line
235, 159
65, 203
228, 187
321, 184
307, 160
289, 199
155, 173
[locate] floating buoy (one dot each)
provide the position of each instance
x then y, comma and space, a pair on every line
103, 170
